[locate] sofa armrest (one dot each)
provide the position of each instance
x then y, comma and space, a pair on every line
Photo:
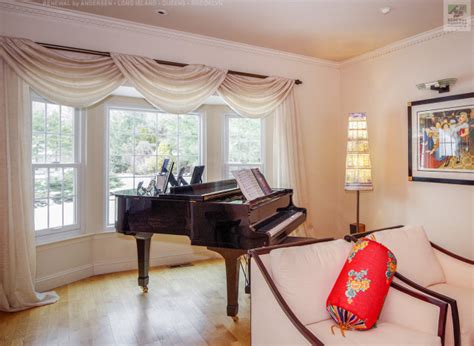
414, 310
458, 271
272, 321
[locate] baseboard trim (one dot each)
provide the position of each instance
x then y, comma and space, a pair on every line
131, 264
82, 272
64, 277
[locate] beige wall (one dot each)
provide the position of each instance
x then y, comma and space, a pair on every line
382, 87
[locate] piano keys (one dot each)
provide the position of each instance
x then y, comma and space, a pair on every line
215, 215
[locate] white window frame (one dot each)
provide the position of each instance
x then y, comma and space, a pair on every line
59, 233
134, 108
225, 160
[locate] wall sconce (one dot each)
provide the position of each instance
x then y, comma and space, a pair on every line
442, 85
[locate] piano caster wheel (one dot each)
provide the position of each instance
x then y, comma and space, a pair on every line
235, 318
145, 289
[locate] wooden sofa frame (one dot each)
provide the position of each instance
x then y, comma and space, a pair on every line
452, 302
255, 255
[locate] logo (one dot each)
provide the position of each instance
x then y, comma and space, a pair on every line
457, 15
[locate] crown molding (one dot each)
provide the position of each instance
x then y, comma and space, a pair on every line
81, 18
402, 44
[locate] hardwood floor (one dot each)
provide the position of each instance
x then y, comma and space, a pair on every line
184, 306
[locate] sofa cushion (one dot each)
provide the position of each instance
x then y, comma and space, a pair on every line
465, 301
416, 258
384, 334
359, 292
304, 275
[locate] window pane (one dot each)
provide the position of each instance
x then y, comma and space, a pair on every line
121, 164
188, 135
119, 183
38, 149
53, 118
67, 149
52, 149
39, 117
167, 124
188, 162
244, 144
69, 211
41, 183
55, 212
55, 183
67, 120
69, 182
41, 214
115, 184
145, 165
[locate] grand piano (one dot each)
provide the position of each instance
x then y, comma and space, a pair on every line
215, 215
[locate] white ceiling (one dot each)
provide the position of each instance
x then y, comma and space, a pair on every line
326, 29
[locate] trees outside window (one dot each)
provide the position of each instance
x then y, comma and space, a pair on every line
56, 166
243, 148
139, 141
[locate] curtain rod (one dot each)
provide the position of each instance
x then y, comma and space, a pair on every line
164, 62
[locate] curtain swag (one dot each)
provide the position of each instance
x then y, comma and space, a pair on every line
81, 82
84, 81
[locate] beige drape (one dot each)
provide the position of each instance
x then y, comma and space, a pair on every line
274, 96
80, 82
172, 89
17, 245
254, 97
75, 82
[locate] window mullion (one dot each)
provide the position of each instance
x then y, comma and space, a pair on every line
62, 197
47, 200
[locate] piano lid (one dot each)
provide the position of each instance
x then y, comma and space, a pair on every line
199, 192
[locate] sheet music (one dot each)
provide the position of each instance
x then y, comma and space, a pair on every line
248, 184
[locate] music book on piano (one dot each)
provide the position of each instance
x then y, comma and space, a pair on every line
252, 183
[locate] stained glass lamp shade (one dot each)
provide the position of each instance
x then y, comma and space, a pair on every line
358, 168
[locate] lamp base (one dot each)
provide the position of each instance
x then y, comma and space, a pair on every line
353, 228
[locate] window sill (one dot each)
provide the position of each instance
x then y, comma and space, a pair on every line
59, 237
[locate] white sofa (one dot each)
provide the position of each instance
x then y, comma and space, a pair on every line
434, 271
290, 284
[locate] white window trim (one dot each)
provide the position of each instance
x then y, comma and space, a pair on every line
225, 138
53, 234
132, 107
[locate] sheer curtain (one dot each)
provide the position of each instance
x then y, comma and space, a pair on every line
17, 243
81, 82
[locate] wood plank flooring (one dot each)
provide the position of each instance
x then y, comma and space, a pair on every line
184, 306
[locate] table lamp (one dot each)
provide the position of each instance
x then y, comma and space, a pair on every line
358, 168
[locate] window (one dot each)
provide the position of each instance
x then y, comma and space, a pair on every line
243, 148
56, 166
139, 141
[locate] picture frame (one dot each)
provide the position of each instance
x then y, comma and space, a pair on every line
441, 140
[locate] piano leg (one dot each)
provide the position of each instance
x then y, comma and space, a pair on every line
232, 268
143, 251
247, 284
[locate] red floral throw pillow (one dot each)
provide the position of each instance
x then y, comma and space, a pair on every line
359, 292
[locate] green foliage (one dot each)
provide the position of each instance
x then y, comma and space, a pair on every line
140, 141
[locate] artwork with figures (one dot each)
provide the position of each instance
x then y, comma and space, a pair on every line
446, 139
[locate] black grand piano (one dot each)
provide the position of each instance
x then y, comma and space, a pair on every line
214, 215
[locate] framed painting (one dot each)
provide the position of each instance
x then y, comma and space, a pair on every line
441, 140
